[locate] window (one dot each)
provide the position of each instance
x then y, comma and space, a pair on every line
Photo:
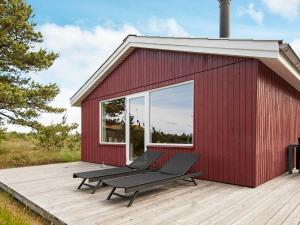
113, 121
171, 115
162, 116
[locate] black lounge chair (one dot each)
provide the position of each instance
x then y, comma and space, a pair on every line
175, 169
141, 164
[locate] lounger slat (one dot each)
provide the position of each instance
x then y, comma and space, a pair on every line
180, 163
112, 176
103, 173
174, 170
145, 160
139, 179
161, 182
140, 165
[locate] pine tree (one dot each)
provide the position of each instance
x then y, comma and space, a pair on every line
22, 100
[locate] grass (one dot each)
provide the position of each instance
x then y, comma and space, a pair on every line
22, 152
13, 212
18, 151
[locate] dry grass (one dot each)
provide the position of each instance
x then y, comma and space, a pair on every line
22, 152
17, 152
14, 213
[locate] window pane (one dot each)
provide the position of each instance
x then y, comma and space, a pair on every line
171, 115
113, 120
136, 127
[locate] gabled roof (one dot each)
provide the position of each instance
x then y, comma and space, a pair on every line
279, 56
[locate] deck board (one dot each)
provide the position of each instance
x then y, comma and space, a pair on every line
51, 190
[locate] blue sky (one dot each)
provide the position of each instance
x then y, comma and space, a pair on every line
198, 18
85, 33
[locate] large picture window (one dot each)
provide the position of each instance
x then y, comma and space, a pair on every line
171, 115
163, 116
113, 121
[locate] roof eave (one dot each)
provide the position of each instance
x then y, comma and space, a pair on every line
265, 50
106, 67
290, 54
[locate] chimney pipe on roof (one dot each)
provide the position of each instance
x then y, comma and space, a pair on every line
224, 18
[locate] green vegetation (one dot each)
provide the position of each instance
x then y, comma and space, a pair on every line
22, 100
14, 213
161, 137
18, 150
57, 136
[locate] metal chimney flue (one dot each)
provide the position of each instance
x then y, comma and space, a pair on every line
224, 18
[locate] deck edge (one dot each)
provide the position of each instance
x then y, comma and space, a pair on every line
34, 207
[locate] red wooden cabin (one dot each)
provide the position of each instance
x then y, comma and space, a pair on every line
235, 102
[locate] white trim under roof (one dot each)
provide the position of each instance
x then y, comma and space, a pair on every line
279, 57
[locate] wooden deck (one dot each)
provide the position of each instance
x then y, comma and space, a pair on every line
50, 190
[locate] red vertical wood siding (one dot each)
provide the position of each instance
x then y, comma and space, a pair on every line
224, 109
278, 123
91, 151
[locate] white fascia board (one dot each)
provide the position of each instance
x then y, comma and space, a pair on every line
122, 51
210, 50
283, 68
290, 67
242, 48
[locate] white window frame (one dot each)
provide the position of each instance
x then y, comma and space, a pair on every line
100, 122
172, 144
146, 132
146, 94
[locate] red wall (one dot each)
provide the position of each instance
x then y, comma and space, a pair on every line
91, 150
224, 109
278, 123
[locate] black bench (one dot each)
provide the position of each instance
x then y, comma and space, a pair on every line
292, 148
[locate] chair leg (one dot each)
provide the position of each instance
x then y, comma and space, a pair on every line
111, 193
194, 181
81, 183
132, 198
298, 159
96, 186
191, 180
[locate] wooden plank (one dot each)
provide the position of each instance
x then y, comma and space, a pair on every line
294, 217
143, 204
233, 211
160, 207
284, 212
275, 202
182, 212
34, 207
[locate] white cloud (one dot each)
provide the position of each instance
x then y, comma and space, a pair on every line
81, 52
296, 46
288, 9
253, 13
168, 27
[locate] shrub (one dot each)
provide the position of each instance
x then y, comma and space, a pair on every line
57, 136
2, 137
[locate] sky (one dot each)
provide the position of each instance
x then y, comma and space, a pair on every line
85, 33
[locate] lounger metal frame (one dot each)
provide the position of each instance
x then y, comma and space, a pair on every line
133, 169
102, 178
137, 189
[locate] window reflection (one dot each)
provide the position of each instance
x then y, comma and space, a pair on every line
113, 120
137, 127
171, 115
